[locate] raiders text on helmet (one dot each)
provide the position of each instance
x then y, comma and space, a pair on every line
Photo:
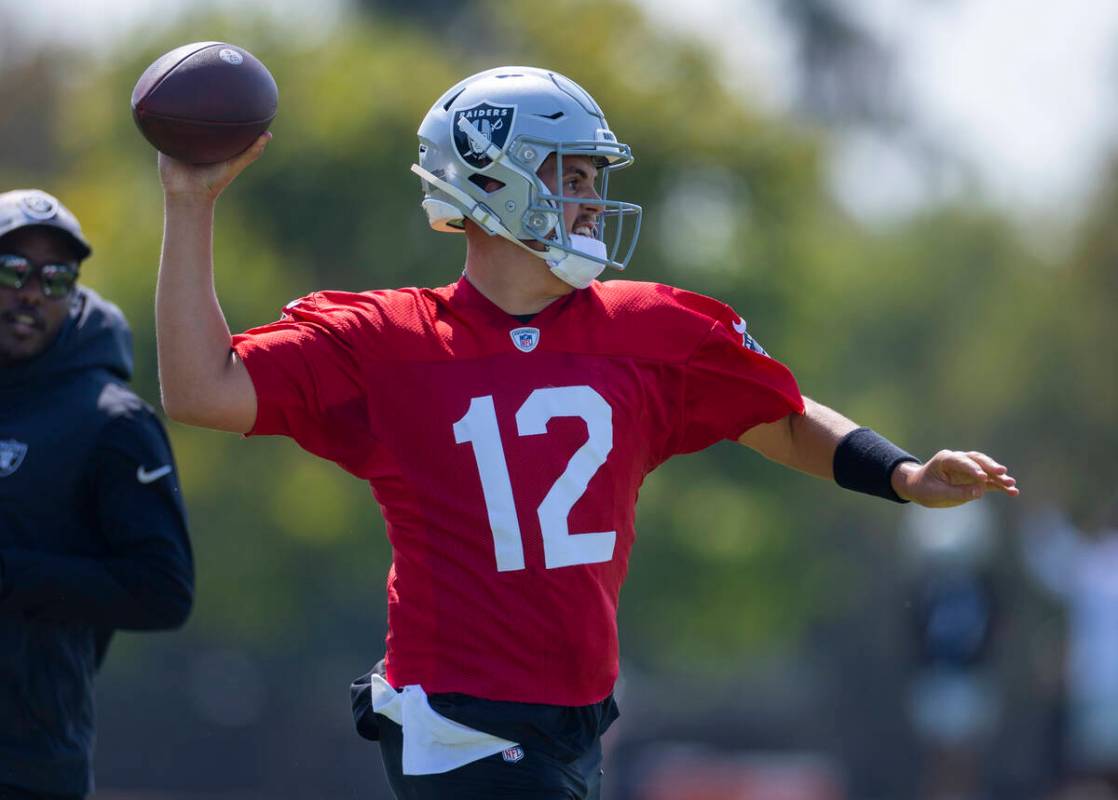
494, 130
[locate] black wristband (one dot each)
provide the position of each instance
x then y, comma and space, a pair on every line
864, 462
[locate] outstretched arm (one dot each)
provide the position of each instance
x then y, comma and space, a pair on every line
809, 442
202, 381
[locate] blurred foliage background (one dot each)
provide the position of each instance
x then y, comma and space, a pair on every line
774, 598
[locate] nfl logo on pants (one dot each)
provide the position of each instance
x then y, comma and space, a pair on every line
513, 754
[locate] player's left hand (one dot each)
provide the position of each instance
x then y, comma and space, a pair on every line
951, 478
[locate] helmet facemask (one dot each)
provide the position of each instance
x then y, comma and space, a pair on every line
545, 220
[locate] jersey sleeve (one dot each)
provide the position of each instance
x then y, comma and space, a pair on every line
728, 385
305, 369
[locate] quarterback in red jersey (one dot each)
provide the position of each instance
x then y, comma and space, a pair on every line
505, 423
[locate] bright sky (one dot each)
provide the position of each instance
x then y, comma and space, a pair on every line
1021, 89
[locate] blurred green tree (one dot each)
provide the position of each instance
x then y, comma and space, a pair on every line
916, 329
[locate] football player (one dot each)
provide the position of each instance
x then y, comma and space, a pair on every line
505, 423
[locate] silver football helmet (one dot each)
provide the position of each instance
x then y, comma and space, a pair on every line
493, 131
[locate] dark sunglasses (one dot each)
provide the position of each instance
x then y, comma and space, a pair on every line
55, 280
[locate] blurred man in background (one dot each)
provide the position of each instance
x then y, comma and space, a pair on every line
505, 423
955, 698
93, 534
1078, 565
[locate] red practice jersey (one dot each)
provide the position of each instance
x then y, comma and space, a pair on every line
507, 457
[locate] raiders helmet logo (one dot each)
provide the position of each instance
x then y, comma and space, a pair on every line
480, 127
11, 456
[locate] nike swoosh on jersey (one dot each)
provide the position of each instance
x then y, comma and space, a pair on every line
143, 476
739, 326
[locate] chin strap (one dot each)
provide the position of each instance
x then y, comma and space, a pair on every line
571, 267
478, 212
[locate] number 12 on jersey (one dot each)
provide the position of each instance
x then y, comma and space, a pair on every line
561, 548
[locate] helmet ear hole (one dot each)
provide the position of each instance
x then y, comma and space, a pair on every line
486, 184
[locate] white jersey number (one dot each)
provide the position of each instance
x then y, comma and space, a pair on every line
561, 548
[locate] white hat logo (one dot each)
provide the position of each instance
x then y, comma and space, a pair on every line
38, 206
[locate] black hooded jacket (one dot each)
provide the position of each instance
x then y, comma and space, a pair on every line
93, 538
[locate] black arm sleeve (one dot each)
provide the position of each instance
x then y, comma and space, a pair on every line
145, 579
864, 462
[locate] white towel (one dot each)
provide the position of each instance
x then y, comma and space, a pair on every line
432, 743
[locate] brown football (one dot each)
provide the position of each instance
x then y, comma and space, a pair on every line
204, 102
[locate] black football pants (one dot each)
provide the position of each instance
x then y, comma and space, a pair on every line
537, 776
16, 793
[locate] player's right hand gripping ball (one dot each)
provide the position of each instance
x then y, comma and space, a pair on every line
204, 102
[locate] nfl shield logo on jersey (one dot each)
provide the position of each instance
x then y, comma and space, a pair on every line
513, 754
525, 339
11, 456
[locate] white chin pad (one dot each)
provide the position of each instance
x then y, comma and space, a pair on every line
588, 245
575, 267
